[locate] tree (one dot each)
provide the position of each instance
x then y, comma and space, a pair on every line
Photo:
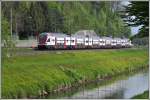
67, 17
5, 28
6, 37
137, 13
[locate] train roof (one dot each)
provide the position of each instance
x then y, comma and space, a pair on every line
59, 35
54, 34
108, 38
86, 33
125, 39
78, 36
82, 34
95, 37
117, 38
121, 38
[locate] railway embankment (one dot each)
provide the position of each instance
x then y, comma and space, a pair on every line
38, 75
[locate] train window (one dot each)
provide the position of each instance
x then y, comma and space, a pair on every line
48, 40
72, 40
113, 41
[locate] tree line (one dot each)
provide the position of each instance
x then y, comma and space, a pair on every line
137, 13
31, 18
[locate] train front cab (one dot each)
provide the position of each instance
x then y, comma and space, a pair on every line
50, 42
42, 41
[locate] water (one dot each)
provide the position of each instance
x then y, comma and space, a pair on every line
124, 87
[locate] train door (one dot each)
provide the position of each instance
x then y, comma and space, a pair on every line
113, 42
60, 42
104, 42
80, 42
68, 43
100, 42
73, 41
52, 41
86, 41
107, 42
123, 43
90, 42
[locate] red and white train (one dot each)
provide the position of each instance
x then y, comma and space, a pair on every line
79, 40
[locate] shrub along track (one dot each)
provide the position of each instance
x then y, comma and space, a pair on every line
33, 76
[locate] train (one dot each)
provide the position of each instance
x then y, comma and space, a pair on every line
83, 39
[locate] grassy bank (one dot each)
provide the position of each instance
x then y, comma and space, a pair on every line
144, 95
27, 76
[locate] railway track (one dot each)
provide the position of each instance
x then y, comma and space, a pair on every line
34, 51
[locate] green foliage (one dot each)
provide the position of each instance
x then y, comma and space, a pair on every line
5, 28
67, 17
140, 41
38, 16
140, 10
144, 95
6, 37
28, 74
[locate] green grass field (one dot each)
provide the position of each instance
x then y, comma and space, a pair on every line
24, 76
144, 95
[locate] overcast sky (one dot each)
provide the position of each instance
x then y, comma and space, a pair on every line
134, 30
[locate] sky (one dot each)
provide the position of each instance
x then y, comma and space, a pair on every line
134, 30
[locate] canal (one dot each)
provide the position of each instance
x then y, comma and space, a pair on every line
122, 87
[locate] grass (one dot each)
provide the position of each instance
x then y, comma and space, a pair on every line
26, 76
144, 95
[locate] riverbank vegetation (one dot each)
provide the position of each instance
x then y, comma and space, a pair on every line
29, 76
144, 95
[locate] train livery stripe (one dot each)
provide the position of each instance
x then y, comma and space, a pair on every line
58, 40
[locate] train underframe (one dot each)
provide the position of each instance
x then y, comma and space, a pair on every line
61, 46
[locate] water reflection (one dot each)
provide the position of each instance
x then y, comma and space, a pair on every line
125, 88
122, 87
